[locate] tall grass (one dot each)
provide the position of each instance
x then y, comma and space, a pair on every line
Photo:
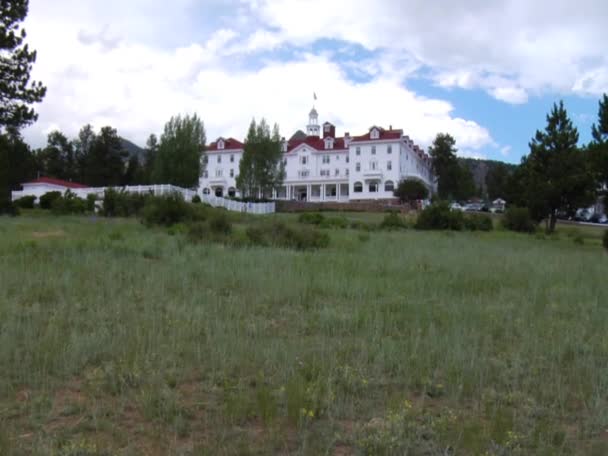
475, 342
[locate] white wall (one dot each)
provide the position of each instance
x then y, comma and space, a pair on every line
225, 166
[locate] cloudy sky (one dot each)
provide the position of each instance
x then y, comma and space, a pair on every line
484, 71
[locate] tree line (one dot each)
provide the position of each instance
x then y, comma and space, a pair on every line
556, 178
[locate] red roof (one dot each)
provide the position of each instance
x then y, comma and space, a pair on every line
314, 142
229, 144
53, 181
384, 134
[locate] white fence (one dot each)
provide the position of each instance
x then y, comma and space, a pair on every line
231, 205
237, 206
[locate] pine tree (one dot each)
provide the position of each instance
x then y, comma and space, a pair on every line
454, 181
556, 172
17, 93
598, 147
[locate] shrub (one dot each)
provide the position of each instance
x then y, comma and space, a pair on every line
518, 219
166, 210
219, 224
7, 207
411, 190
438, 216
46, 200
122, 204
198, 231
69, 203
478, 222
91, 199
359, 225
605, 240
334, 222
196, 199
393, 221
25, 202
281, 235
314, 218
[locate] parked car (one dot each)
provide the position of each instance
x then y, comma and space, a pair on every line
473, 207
599, 218
456, 207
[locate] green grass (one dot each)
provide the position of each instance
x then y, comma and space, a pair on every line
119, 339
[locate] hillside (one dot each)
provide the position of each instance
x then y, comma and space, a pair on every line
132, 149
480, 169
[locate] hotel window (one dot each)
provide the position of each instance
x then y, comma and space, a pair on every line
337, 173
231, 158
206, 191
303, 160
347, 159
358, 187
325, 159
219, 159
205, 159
205, 174
389, 165
358, 150
358, 167
347, 171
218, 173
373, 187
375, 134
372, 165
231, 173
389, 186
389, 150
373, 150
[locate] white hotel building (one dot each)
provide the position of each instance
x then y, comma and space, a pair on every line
322, 167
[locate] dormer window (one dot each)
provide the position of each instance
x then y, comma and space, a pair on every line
375, 134
220, 144
329, 143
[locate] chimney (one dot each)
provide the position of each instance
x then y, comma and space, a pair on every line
390, 127
346, 139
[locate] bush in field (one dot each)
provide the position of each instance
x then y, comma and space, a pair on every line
438, 216
313, 218
605, 240
280, 234
359, 225
219, 224
196, 199
25, 202
334, 222
46, 200
393, 221
91, 199
69, 203
167, 210
122, 204
478, 222
8, 208
518, 219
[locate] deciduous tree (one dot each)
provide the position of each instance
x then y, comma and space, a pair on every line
261, 169
178, 159
410, 190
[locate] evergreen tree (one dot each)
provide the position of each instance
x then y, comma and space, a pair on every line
497, 181
17, 93
598, 147
261, 169
454, 181
556, 173
58, 159
104, 163
149, 157
82, 149
178, 159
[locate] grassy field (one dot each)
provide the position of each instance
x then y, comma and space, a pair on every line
117, 339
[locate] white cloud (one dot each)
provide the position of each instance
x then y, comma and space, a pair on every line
118, 77
505, 150
535, 45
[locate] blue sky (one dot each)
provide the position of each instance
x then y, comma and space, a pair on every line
485, 72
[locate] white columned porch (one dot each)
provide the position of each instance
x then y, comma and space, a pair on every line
308, 192
322, 192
